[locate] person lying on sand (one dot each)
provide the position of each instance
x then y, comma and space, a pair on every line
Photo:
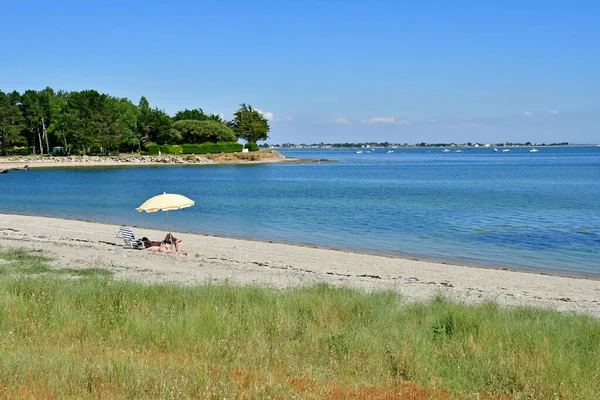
164, 249
169, 240
149, 243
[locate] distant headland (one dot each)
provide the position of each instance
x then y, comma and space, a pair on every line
417, 145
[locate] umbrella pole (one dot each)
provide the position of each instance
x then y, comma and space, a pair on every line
170, 234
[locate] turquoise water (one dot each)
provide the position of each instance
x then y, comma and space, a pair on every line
519, 209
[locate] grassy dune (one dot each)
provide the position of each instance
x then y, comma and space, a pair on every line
67, 333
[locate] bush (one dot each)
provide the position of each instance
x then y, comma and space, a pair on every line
208, 148
204, 148
21, 151
198, 132
94, 151
170, 149
152, 149
252, 146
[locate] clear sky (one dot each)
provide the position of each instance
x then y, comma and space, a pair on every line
328, 71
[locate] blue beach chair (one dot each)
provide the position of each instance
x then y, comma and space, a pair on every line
129, 241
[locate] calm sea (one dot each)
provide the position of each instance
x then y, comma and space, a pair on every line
517, 209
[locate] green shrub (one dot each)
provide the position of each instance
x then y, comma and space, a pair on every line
252, 146
198, 132
21, 151
152, 149
204, 148
94, 151
171, 149
208, 148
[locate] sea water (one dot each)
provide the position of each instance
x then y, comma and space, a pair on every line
514, 209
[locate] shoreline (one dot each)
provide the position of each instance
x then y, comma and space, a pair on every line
274, 157
401, 256
82, 244
44, 162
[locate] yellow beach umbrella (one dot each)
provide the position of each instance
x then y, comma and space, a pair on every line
166, 202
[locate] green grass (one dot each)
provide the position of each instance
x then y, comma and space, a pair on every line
21, 263
96, 337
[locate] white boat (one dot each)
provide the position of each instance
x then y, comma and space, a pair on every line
445, 151
495, 150
390, 151
359, 151
505, 150
458, 151
533, 150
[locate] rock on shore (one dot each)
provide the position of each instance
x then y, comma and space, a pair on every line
222, 158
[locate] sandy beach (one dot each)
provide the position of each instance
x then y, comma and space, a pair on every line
79, 244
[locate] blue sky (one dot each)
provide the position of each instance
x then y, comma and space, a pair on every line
328, 71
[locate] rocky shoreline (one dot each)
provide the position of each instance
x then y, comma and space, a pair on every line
108, 159
267, 156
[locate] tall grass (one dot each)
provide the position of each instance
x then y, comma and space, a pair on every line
96, 337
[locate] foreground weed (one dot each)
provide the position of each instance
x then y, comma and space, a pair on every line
22, 263
96, 337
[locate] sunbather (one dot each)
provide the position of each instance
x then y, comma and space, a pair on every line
169, 240
149, 243
165, 249
172, 240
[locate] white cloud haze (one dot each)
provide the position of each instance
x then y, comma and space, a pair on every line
384, 120
268, 115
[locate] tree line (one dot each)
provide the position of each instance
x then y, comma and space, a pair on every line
90, 122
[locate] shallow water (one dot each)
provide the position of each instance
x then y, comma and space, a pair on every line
519, 209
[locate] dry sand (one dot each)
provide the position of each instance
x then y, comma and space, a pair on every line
78, 244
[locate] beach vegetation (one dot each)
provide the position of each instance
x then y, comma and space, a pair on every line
195, 114
195, 131
97, 337
252, 146
204, 148
210, 148
11, 122
154, 149
21, 151
250, 124
19, 263
89, 122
